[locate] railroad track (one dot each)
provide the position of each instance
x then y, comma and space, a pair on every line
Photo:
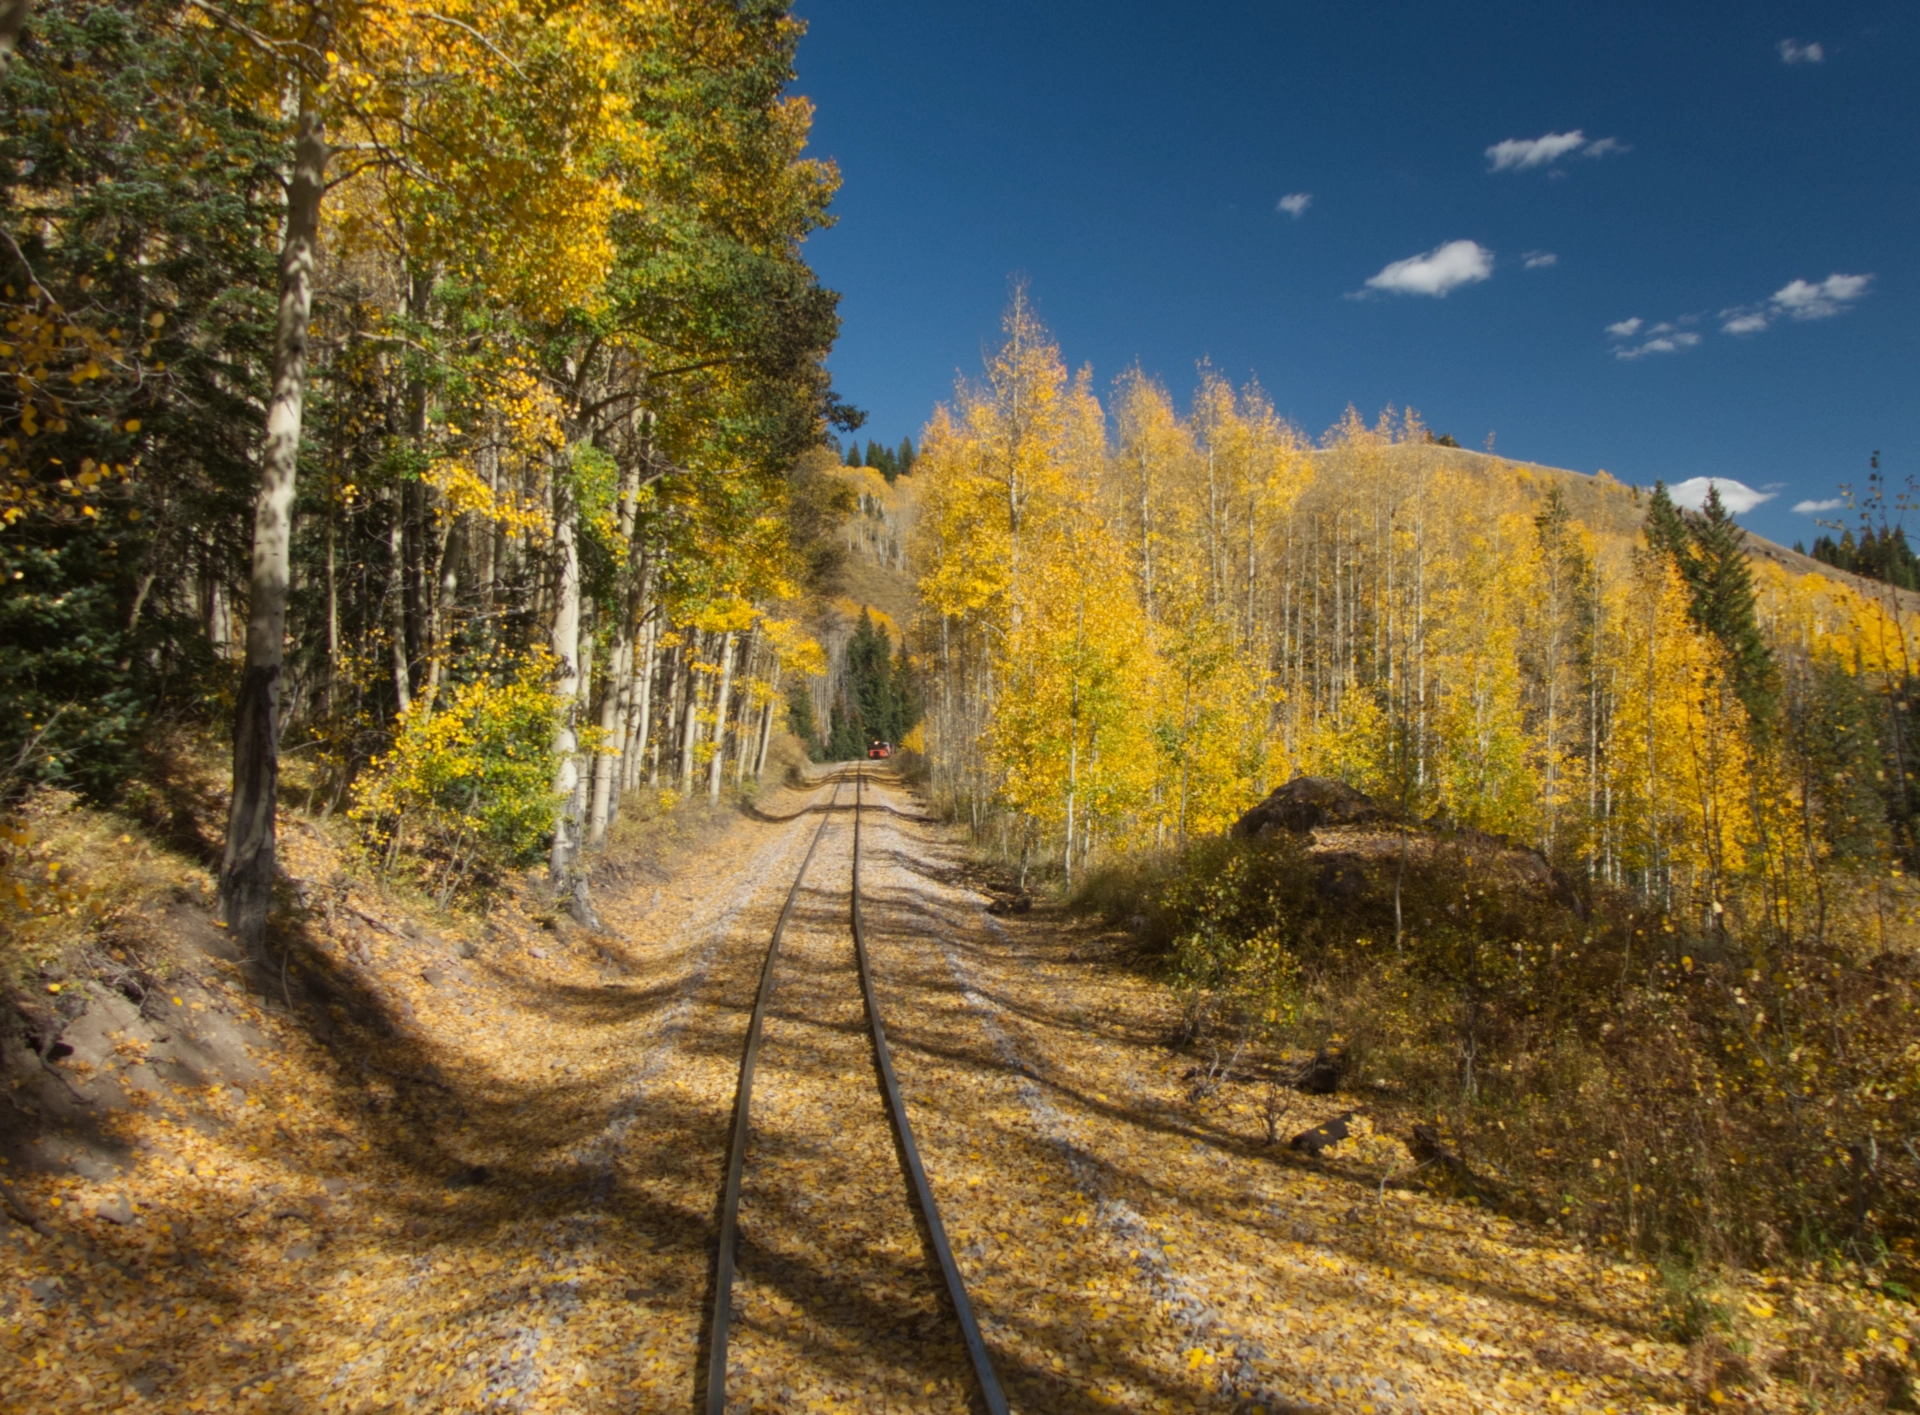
920, 1192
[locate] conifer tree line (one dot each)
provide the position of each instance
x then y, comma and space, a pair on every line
891, 463
1880, 551
417, 388
878, 702
1878, 555
1138, 619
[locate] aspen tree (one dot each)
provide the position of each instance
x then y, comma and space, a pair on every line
247, 866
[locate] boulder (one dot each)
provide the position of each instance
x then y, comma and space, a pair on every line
1321, 1137
1321, 1076
1307, 803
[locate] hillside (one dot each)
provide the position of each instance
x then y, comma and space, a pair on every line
1617, 510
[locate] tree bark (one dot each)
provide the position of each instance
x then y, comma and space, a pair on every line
676, 660
246, 871
642, 726
689, 712
766, 727
397, 595
617, 706
717, 764
13, 19
743, 739
565, 643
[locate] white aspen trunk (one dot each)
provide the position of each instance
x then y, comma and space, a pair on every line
565, 644
397, 593
743, 739
612, 735
766, 727
643, 692
689, 718
667, 719
333, 620
487, 553
616, 703
247, 868
717, 764
583, 711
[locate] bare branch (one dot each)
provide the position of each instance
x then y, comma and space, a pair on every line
497, 51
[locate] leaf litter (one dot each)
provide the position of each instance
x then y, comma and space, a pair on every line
488, 1183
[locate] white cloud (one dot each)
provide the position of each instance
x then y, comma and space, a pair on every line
1814, 508
1799, 299
1804, 300
1539, 260
1792, 52
1659, 344
1669, 336
1520, 154
1737, 497
1441, 269
1523, 154
1294, 203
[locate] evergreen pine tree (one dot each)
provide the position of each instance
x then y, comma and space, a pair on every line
870, 679
906, 698
1721, 582
853, 454
801, 721
1665, 531
906, 456
1709, 548
1831, 729
848, 739
1903, 569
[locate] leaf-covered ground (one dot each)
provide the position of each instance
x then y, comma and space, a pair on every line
480, 1172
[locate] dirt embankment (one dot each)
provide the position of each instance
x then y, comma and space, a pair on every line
363, 1170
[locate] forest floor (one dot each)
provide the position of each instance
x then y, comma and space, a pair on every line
474, 1166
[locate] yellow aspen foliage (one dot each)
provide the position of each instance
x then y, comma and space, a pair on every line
468, 783
1677, 765
1485, 763
1136, 621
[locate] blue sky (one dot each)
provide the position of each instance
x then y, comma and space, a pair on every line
1687, 166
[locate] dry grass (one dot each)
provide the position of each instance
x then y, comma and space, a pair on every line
1702, 1100
78, 879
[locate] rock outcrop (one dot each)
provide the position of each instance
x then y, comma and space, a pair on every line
1307, 803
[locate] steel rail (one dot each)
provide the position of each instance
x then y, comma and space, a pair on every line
996, 1400
742, 1110
722, 1315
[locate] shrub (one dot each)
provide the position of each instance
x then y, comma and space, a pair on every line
468, 783
1697, 1095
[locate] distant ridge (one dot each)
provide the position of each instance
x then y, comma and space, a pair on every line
1615, 507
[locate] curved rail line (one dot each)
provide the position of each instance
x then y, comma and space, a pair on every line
993, 1398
